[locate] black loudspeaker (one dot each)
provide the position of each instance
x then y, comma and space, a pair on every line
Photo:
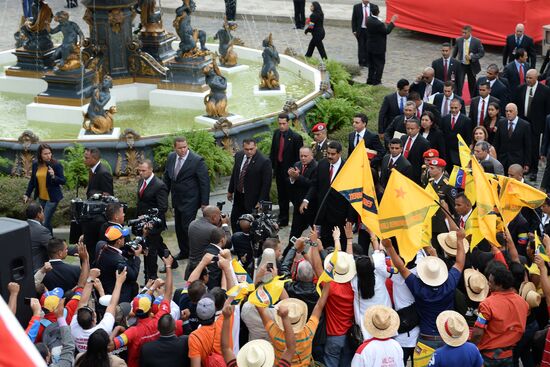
16, 264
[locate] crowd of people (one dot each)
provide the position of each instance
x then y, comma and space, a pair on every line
331, 293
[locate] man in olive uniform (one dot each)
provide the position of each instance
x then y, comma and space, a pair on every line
440, 182
320, 141
428, 156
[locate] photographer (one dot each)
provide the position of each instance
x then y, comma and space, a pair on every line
112, 258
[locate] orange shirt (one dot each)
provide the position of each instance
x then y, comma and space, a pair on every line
304, 342
207, 339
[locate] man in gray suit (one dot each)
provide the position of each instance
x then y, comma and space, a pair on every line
469, 50
481, 151
40, 235
186, 177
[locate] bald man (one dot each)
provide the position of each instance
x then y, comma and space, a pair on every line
426, 84
513, 140
533, 103
519, 40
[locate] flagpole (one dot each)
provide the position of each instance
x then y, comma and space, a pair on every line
447, 212
322, 204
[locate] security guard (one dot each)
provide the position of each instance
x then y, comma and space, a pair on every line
428, 156
320, 141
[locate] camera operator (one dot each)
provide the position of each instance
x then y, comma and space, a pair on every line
242, 241
112, 258
115, 217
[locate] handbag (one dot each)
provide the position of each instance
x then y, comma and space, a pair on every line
354, 336
408, 318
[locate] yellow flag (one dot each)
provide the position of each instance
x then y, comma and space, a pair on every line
471, 228
427, 226
540, 249
242, 275
515, 195
355, 183
486, 201
402, 211
267, 294
239, 292
464, 152
328, 272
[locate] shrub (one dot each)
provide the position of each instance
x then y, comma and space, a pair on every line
335, 112
263, 141
74, 168
337, 72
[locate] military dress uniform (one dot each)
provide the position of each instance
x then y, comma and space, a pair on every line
425, 176
447, 193
319, 150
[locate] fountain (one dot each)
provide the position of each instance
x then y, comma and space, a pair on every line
269, 76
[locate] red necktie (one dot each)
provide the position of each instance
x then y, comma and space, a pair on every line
482, 112
330, 171
445, 70
461, 222
142, 188
418, 113
521, 75
281, 147
452, 123
304, 166
408, 147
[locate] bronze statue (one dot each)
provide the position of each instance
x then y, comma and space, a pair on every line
269, 74
216, 101
35, 32
188, 36
68, 53
228, 57
97, 120
150, 16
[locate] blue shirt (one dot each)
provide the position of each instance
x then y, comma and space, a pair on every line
431, 301
467, 355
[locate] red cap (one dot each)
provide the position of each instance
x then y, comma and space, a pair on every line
321, 126
438, 162
431, 153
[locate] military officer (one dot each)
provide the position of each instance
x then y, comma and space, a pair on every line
320, 141
428, 156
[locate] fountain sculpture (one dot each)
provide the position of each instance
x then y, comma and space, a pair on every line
228, 57
216, 101
99, 120
269, 74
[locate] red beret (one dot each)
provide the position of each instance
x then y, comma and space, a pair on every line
321, 126
431, 153
438, 162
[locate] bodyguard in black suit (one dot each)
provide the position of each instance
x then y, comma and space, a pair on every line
442, 101
250, 181
377, 32
513, 140
516, 41
392, 105
499, 86
40, 235
470, 59
285, 151
414, 146
186, 177
371, 140
359, 17
453, 124
427, 85
398, 123
479, 104
62, 275
515, 71
447, 68
395, 160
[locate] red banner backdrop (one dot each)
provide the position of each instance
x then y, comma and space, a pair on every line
492, 20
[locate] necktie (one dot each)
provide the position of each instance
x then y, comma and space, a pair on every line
452, 122
446, 106
281, 148
357, 137
418, 114
466, 50
521, 74
510, 128
365, 16
304, 166
445, 70
240, 186
142, 188
330, 172
461, 222
517, 42
407, 147
529, 100
177, 169
401, 104
427, 92
390, 165
482, 113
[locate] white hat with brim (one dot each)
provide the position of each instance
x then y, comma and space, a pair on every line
432, 271
381, 322
476, 284
452, 328
297, 314
448, 243
344, 269
256, 353
528, 291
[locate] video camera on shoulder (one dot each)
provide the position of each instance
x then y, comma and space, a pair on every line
150, 219
264, 225
82, 210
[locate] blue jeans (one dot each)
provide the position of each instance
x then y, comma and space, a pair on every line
337, 352
27, 8
49, 209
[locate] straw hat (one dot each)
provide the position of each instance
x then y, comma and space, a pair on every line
529, 293
344, 269
381, 322
256, 353
476, 284
452, 328
432, 271
448, 243
297, 314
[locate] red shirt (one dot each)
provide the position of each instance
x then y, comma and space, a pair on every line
339, 309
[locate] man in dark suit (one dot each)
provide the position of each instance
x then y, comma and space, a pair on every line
361, 13
447, 68
320, 141
398, 123
62, 275
394, 159
499, 87
443, 100
481, 152
299, 179
414, 146
422, 106
168, 349
186, 177
100, 182
152, 194
479, 104
250, 181
40, 235
392, 106
332, 209
469, 50
377, 32
515, 71
427, 85
516, 41
453, 124
533, 104
513, 140
299, 13
371, 140
285, 151
218, 241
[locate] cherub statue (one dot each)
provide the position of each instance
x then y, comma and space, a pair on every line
68, 52
269, 74
149, 15
228, 57
35, 31
216, 101
188, 36
97, 119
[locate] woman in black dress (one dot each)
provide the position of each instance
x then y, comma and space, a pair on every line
315, 26
491, 121
432, 133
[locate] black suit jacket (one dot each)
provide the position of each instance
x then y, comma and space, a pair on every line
433, 109
474, 106
388, 111
214, 271
526, 43
463, 126
515, 149
476, 52
155, 195
415, 157
420, 87
62, 275
191, 188
291, 150
378, 32
168, 351
101, 181
511, 73
540, 106
257, 181
108, 262
438, 102
300, 187
401, 164
545, 146
372, 142
398, 124
357, 17
40, 236
437, 141
454, 69
499, 90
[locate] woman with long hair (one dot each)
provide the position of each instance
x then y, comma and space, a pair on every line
491, 120
314, 24
432, 133
46, 180
97, 354
480, 134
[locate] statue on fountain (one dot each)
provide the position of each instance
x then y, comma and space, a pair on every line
35, 30
67, 54
216, 101
269, 74
98, 120
188, 36
150, 16
228, 57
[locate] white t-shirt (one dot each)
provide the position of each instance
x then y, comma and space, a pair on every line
379, 353
402, 297
253, 321
81, 336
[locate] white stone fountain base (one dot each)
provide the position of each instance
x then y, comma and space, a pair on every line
271, 92
114, 135
233, 70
